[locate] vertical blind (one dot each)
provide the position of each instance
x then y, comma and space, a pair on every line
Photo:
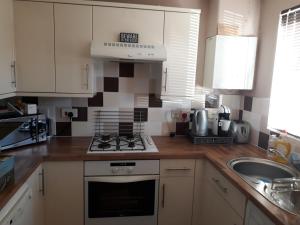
284, 104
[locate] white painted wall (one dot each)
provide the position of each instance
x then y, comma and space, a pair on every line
270, 11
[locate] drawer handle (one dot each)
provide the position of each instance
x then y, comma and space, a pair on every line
163, 196
178, 169
218, 183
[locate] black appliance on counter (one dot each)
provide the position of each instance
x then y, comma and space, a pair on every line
22, 130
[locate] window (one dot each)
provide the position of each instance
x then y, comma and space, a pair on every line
284, 104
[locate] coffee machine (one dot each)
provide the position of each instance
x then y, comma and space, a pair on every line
221, 123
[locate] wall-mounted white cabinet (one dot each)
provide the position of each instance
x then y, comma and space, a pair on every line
230, 62
109, 22
7, 69
73, 35
34, 34
181, 40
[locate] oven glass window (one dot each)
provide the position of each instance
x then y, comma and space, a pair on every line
121, 199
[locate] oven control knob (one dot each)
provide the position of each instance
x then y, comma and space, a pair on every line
115, 170
130, 169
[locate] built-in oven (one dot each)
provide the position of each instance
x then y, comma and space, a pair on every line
121, 192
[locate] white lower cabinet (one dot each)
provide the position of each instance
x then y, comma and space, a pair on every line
64, 203
36, 183
176, 192
222, 203
256, 217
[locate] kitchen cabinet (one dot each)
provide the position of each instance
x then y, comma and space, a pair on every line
109, 22
73, 36
220, 198
198, 191
181, 42
176, 192
64, 203
36, 183
230, 62
7, 60
254, 216
34, 33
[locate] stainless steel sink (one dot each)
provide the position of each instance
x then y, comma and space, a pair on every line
272, 180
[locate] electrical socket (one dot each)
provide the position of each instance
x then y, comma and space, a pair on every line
65, 111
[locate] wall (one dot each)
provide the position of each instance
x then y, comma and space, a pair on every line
256, 103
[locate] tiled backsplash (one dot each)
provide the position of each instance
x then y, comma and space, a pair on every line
125, 86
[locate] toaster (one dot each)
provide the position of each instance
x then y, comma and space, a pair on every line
240, 131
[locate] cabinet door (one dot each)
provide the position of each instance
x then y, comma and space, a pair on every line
64, 193
35, 46
73, 37
181, 41
176, 201
110, 22
254, 216
7, 72
215, 209
36, 184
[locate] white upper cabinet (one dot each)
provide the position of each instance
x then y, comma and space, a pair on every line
181, 42
230, 62
34, 47
109, 22
7, 70
73, 36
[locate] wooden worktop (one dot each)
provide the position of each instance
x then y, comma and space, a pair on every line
74, 149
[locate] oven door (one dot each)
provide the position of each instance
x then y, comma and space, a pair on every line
121, 200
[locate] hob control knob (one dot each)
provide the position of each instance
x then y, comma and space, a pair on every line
115, 170
130, 169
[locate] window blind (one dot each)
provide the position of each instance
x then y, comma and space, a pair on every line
284, 103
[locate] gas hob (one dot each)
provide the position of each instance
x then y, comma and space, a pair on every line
122, 144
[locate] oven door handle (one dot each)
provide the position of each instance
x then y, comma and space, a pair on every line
122, 179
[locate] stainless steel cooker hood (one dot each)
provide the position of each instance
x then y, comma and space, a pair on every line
119, 51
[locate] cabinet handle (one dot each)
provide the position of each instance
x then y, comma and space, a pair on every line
166, 79
42, 189
13, 68
87, 70
218, 183
163, 196
178, 169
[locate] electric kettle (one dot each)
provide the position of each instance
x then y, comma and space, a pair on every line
200, 123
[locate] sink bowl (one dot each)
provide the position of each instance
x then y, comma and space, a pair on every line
261, 173
261, 169
288, 200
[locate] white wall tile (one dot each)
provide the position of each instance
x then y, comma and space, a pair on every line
157, 115
80, 102
232, 101
83, 129
111, 69
126, 85
141, 85
261, 106
153, 128
141, 100
126, 100
111, 99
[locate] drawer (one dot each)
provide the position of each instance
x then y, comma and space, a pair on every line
175, 168
229, 192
